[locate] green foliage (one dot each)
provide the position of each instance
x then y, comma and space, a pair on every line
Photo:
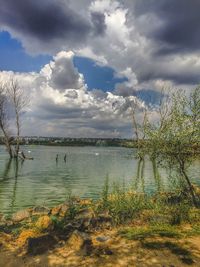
121, 204
174, 140
58, 223
104, 195
179, 213
195, 231
194, 215
177, 130
73, 208
125, 205
151, 231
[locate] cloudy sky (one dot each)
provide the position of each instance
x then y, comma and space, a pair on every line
85, 62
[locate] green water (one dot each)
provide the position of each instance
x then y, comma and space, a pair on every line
43, 181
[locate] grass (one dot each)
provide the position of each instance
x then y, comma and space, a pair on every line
150, 231
121, 204
164, 208
194, 231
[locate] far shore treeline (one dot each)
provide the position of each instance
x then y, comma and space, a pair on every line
62, 141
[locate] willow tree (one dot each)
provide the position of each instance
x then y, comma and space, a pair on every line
175, 138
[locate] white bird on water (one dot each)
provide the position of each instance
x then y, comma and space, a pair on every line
96, 154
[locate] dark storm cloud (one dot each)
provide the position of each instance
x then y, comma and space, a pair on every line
149, 97
98, 20
71, 94
180, 27
123, 90
49, 111
99, 94
64, 75
181, 75
47, 20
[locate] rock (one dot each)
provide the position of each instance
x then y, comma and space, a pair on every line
64, 232
108, 251
77, 225
55, 210
21, 215
85, 214
2, 220
102, 250
103, 220
63, 210
9, 223
84, 218
24, 235
60, 210
102, 238
40, 210
39, 245
2, 217
85, 202
5, 239
81, 243
44, 223
104, 217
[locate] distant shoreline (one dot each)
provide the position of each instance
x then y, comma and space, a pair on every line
53, 141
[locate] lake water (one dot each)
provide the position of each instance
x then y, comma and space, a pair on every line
43, 181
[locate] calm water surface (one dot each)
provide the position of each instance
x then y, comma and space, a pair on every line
43, 181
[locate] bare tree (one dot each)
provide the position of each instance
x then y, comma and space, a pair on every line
4, 120
139, 128
19, 101
12, 97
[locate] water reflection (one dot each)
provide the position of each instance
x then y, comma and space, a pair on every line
12, 170
16, 163
140, 182
156, 175
7, 169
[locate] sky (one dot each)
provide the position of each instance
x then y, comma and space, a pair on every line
84, 64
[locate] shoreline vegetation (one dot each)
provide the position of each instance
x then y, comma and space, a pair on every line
122, 228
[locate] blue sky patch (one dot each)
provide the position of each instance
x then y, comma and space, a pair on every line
13, 56
97, 77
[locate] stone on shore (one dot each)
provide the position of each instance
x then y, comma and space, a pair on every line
41, 244
81, 243
21, 215
63, 210
26, 234
102, 238
2, 219
40, 210
55, 210
60, 210
44, 223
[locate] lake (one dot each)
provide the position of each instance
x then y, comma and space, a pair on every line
43, 181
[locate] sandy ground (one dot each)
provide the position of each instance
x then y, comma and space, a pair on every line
153, 252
